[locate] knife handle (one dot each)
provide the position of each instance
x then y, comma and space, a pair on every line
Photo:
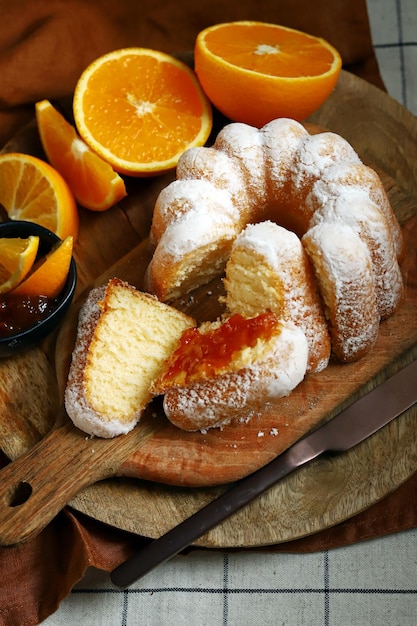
233, 499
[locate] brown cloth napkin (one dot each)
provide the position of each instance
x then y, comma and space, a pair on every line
48, 566
44, 46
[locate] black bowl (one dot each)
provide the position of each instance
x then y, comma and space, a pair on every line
33, 335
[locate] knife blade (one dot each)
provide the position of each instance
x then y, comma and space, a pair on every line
344, 431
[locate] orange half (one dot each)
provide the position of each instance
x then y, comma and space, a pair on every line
140, 109
255, 72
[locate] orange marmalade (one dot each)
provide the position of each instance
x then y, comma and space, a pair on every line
18, 313
204, 355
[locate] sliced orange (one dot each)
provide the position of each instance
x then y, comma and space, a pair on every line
139, 109
49, 274
92, 180
17, 257
254, 72
32, 190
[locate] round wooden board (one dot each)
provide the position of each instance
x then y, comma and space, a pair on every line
319, 495
329, 490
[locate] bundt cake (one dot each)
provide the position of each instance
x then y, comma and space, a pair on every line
230, 370
309, 249
282, 174
123, 339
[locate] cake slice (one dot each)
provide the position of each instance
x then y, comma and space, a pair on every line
231, 370
268, 270
124, 338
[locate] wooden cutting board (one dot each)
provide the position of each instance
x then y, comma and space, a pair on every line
341, 487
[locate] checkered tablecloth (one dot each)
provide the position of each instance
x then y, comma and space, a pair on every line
372, 583
394, 33
368, 584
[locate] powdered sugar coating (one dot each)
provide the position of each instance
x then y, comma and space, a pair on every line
276, 275
242, 393
364, 217
341, 179
244, 144
192, 250
197, 228
343, 268
315, 155
179, 199
269, 240
319, 152
222, 171
282, 139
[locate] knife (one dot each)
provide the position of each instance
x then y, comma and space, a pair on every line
351, 426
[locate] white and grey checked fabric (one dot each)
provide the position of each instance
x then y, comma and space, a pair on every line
394, 33
368, 584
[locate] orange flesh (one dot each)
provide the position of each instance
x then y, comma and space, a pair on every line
117, 122
92, 180
201, 355
32, 190
281, 53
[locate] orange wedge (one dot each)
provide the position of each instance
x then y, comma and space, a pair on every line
17, 257
139, 109
254, 72
92, 180
49, 274
32, 190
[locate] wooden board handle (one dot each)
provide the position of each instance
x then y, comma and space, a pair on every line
36, 486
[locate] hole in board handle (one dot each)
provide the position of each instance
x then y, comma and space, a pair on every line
20, 494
